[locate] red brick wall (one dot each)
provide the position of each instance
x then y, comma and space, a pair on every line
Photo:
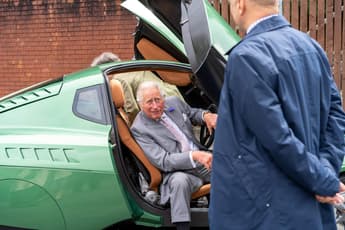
45, 39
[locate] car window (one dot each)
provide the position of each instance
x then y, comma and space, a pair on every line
88, 104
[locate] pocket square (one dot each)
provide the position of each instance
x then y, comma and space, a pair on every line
184, 117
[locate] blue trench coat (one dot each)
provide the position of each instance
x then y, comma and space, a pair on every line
280, 134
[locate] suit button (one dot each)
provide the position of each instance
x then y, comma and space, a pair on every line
268, 205
239, 156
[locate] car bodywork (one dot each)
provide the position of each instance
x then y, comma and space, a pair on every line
63, 165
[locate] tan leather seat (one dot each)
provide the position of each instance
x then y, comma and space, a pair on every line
127, 139
150, 51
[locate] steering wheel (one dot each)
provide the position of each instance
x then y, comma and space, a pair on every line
207, 138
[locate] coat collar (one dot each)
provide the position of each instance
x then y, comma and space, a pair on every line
270, 24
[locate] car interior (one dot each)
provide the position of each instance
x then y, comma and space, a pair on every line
128, 140
150, 51
148, 45
136, 165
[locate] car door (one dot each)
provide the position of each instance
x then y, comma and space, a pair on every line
205, 47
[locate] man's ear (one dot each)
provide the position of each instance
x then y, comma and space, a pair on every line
242, 6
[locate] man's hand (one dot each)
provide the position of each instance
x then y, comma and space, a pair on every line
203, 157
336, 199
210, 120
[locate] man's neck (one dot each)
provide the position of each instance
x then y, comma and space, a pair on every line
258, 21
253, 14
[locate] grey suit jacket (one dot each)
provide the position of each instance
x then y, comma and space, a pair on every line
160, 146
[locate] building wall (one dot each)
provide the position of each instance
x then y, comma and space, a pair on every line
42, 39
323, 20
45, 39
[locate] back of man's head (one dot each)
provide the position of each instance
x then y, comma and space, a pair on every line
265, 3
105, 57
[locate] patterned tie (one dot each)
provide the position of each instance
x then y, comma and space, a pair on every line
200, 169
179, 135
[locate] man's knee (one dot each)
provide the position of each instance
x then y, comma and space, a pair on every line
180, 181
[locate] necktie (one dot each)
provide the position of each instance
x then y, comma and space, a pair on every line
180, 137
200, 170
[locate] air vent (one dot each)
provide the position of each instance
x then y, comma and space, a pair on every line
30, 96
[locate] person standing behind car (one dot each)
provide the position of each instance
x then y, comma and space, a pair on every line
130, 82
163, 129
279, 142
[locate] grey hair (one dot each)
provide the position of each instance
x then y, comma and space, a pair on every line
266, 3
105, 57
147, 85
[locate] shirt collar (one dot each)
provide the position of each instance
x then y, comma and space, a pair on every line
164, 116
258, 21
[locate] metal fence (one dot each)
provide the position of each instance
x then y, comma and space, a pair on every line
323, 20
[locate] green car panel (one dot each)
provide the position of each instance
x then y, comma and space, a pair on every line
28, 205
60, 162
35, 95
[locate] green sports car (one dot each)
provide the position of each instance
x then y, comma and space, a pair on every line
68, 160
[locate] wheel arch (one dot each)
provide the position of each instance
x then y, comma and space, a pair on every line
24, 204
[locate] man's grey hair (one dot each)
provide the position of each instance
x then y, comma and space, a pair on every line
147, 85
105, 57
266, 2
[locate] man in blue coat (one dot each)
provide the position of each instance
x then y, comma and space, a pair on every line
279, 141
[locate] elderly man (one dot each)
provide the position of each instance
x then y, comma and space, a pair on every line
279, 143
163, 128
130, 82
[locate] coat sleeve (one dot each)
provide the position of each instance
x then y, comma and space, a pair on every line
332, 147
332, 140
257, 102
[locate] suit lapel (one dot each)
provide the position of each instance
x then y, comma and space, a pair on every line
157, 127
180, 121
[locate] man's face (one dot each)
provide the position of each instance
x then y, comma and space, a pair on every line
152, 104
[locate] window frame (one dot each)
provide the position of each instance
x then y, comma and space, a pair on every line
104, 109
